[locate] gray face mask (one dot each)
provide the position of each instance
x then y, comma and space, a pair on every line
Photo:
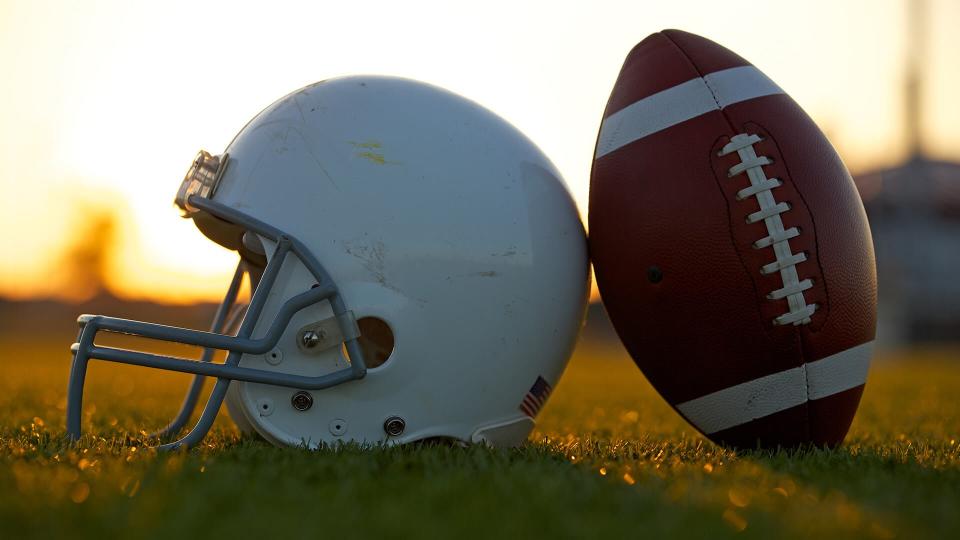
193, 198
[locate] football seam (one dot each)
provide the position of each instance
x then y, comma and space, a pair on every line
702, 76
713, 92
806, 380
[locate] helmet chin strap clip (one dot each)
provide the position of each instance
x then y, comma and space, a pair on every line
328, 333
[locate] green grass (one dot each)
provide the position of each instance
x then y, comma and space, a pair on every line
608, 459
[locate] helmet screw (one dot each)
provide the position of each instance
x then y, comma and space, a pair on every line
337, 427
394, 426
274, 357
301, 401
311, 338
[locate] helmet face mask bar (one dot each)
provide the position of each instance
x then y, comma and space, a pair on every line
447, 238
324, 290
225, 321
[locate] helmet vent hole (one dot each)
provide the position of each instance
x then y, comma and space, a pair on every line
376, 341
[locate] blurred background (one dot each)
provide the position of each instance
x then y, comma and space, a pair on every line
104, 103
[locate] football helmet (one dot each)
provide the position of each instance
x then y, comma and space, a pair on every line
418, 270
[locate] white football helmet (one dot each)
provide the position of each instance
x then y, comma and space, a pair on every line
419, 271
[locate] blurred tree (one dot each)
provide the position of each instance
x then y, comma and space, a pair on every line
84, 265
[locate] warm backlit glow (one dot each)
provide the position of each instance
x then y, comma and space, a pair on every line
105, 104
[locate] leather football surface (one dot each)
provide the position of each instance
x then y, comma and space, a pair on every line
731, 248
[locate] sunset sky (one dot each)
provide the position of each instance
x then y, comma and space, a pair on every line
104, 103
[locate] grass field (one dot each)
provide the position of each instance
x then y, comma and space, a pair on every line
608, 459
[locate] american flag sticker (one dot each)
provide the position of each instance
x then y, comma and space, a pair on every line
536, 397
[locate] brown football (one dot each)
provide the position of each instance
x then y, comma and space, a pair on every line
731, 248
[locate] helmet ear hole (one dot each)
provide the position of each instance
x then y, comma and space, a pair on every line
376, 341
